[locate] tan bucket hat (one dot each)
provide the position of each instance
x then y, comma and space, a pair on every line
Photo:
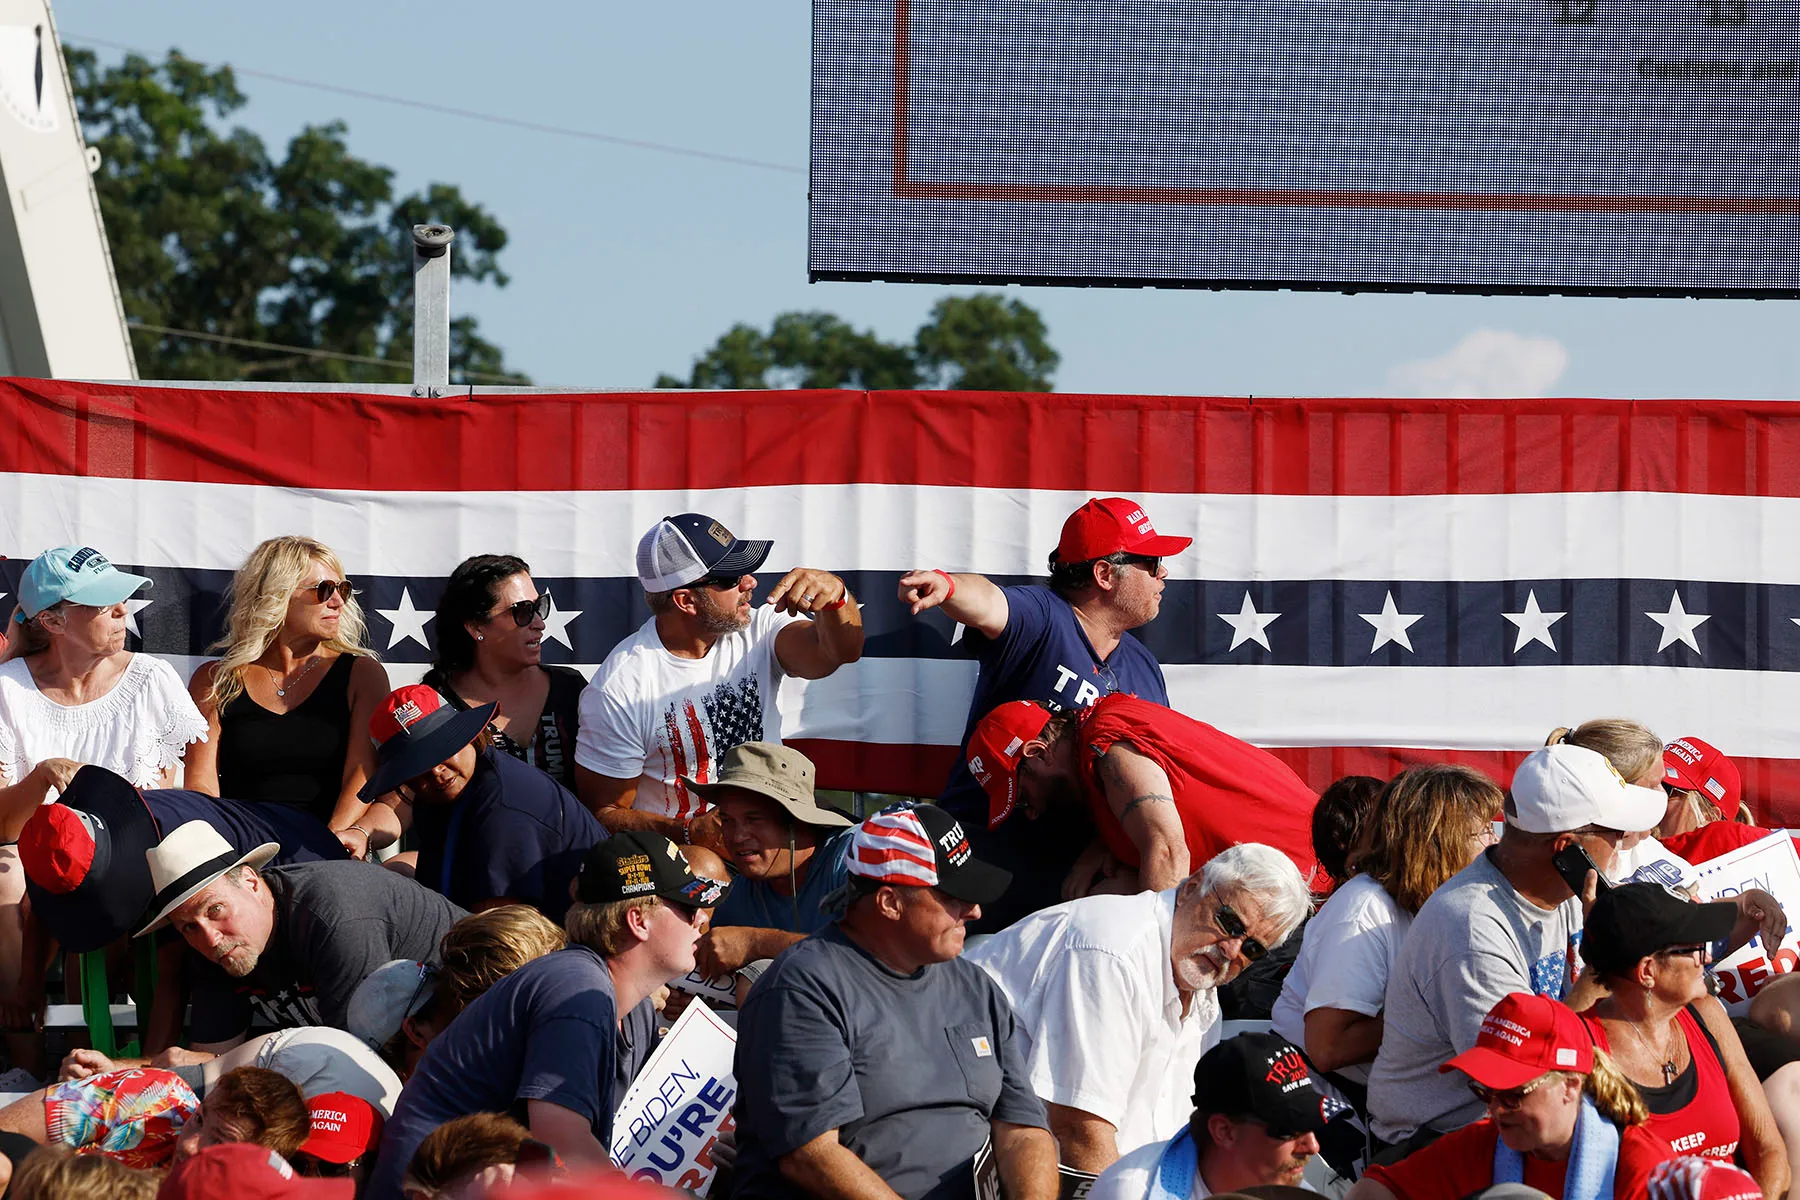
781, 773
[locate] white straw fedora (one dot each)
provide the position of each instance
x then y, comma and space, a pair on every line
190, 858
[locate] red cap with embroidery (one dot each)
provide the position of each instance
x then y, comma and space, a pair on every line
246, 1169
1111, 524
1522, 1038
998, 746
56, 848
344, 1127
1691, 763
414, 730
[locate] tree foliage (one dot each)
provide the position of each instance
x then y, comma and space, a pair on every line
211, 233
983, 342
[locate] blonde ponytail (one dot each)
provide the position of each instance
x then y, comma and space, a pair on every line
1615, 1096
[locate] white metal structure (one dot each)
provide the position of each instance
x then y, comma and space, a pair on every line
60, 312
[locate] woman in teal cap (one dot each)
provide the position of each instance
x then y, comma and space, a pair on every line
71, 695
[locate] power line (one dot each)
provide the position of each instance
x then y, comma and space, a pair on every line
471, 115
308, 351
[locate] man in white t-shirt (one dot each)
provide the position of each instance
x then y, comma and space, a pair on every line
1256, 1123
701, 675
1115, 994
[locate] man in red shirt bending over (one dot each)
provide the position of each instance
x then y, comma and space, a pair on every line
1165, 792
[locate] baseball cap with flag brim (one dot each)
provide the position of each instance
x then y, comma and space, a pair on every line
996, 749
1522, 1038
84, 862
414, 730
78, 574
922, 845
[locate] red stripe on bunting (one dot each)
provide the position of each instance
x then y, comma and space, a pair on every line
1131, 444
1771, 785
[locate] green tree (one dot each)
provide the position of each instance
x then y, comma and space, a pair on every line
983, 342
211, 233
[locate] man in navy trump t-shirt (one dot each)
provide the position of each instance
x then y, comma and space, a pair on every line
1063, 642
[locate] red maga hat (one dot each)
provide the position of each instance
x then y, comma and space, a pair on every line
998, 746
1691, 763
1111, 524
1523, 1037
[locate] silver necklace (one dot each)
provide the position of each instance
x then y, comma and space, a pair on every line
1668, 1057
283, 683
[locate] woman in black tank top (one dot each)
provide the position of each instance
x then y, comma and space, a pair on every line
289, 701
490, 631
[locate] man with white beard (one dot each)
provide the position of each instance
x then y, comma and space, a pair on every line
1115, 995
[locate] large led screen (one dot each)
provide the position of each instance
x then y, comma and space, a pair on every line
1623, 146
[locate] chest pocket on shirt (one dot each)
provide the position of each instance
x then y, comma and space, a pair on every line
977, 1052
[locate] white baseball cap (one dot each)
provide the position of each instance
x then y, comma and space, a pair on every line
1564, 787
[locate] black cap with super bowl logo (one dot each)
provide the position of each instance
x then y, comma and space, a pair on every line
1265, 1076
635, 863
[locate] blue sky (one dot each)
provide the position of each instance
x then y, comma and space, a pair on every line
627, 262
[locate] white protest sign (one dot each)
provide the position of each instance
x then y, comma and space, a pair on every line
722, 990
678, 1105
1770, 864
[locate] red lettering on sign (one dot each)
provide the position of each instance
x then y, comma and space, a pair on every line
1756, 973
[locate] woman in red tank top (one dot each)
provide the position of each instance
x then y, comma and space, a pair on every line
1665, 1034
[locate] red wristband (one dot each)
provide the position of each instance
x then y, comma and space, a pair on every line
947, 580
836, 604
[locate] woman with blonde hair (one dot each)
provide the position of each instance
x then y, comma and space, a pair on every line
294, 686
1637, 755
1560, 1118
1430, 822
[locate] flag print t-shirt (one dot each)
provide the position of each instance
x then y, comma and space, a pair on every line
652, 714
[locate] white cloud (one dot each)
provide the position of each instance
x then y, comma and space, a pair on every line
1488, 363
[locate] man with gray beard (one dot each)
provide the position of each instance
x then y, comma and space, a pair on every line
1114, 995
700, 676
289, 943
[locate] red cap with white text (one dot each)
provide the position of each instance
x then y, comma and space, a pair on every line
1522, 1038
1111, 524
1698, 766
996, 749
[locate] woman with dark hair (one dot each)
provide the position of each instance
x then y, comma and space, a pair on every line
1343, 823
490, 829
1668, 1036
490, 632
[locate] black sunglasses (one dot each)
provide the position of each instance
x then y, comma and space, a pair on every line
1150, 563
1232, 926
718, 583
325, 587
525, 611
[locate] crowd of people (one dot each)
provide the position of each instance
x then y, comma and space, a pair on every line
419, 941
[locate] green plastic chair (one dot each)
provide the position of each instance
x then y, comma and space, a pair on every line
96, 998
